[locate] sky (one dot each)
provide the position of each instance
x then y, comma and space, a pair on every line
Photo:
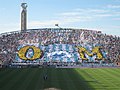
100, 15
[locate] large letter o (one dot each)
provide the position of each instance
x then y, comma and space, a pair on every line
22, 53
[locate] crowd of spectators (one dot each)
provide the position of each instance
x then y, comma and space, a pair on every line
9, 42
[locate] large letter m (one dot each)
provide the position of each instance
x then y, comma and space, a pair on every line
95, 51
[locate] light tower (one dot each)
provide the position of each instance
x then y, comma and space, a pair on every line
24, 16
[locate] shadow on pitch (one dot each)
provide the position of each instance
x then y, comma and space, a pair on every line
66, 79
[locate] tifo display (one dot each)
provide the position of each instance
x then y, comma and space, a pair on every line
58, 45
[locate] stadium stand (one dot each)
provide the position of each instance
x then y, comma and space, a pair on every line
58, 45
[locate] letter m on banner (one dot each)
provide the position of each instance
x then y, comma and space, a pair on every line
95, 51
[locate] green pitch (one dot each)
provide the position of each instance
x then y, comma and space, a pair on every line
60, 79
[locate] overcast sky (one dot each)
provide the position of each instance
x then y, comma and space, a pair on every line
101, 15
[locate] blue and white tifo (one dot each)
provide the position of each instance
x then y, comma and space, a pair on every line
55, 45
58, 45
61, 52
53, 53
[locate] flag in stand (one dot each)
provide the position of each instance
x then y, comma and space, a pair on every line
56, 25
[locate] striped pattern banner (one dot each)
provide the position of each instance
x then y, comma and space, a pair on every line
56, 53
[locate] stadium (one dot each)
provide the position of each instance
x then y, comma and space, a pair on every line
58, 46
72, 59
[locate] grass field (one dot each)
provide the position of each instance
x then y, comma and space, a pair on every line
60, 79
